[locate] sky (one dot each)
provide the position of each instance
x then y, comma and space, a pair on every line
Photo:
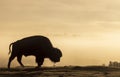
87, 31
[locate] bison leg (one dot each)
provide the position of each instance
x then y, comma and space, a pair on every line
39, 61
10, 60
19, 57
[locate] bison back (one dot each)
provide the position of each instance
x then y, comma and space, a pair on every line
33, 42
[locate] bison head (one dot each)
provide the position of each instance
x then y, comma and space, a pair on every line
55, 55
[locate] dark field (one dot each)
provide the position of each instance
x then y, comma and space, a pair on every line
67, 71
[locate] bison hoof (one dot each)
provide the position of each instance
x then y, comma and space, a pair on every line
23, 66
37, 68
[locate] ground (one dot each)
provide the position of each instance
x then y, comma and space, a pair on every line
66, 71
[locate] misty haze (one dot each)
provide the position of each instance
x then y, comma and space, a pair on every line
87, 32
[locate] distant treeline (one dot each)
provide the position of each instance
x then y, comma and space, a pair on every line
114, 64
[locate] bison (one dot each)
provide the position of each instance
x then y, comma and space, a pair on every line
38, 46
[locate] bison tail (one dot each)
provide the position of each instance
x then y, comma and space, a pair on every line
10, 48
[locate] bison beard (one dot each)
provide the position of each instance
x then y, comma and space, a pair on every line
38, 46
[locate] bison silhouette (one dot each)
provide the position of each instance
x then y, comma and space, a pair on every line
38, 46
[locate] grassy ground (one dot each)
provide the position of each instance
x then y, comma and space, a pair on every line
67, 71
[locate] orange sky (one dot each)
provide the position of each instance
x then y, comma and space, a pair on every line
87, 31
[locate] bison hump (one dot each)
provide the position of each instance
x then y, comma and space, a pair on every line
34, 42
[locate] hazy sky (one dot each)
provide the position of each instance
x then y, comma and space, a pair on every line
87, 31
